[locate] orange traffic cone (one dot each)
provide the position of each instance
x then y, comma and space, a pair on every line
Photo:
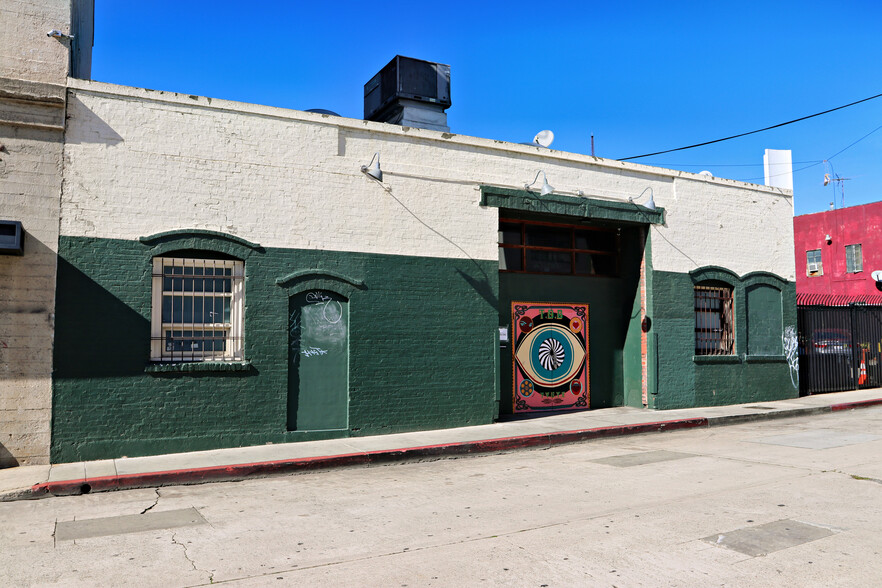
863, 377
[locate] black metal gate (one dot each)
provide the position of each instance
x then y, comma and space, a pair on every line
840, 348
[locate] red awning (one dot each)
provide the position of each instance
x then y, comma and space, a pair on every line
804, 299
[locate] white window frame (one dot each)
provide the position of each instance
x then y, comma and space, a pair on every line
813, 268
234, 328
854, 259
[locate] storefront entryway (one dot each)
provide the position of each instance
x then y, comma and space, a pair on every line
570, 305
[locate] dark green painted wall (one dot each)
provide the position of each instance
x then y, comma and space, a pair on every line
765, 312
680, 379
419, 353
613, 322
422, 349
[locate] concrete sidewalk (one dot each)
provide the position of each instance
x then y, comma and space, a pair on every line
30, 482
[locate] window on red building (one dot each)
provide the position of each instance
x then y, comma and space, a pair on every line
813, 266
854, 262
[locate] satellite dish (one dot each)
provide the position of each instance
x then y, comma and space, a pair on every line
877, 275
543, 138
706, 174
323, 111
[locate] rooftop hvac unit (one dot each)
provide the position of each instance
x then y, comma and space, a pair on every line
409, 79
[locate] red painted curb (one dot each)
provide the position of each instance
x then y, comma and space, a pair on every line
246, 470
857, 404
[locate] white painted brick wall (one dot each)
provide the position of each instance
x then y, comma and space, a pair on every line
26, 53
725, 223
140, 162
30, 187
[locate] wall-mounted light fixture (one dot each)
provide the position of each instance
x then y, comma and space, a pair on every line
546, 187
373, 168
828, 239
650, 204
58, 34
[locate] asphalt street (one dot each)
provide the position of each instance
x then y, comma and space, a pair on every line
791, 502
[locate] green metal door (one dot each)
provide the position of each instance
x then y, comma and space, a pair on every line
318, 364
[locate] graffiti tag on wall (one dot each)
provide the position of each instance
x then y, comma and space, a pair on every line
332, 310
791, 352
320, 320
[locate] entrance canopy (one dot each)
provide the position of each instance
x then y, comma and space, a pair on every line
575, 206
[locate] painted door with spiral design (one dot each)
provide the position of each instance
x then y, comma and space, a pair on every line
550, 356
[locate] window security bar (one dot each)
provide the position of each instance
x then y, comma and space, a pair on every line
198, 310
714, 327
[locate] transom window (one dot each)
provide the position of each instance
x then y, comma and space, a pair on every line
854, 262
546, 248
813, 265
198, 307
714, 325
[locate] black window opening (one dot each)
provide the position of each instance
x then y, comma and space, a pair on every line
547, 248
714, 324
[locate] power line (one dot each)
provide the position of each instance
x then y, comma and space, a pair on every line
708, 165
790, 122
855, 143
750, 180
823, 160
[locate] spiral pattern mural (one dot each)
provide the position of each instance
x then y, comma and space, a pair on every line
551, 354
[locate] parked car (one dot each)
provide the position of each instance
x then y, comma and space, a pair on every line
831, 342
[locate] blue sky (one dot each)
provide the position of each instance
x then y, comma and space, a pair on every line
641, 76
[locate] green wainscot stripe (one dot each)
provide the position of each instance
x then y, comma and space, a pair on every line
418, 352
764, 306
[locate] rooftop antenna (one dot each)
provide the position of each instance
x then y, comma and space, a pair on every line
592, 144
834, 178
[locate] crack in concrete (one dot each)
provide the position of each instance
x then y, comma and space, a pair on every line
856, 476
155, 502
865, 479
174, 539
